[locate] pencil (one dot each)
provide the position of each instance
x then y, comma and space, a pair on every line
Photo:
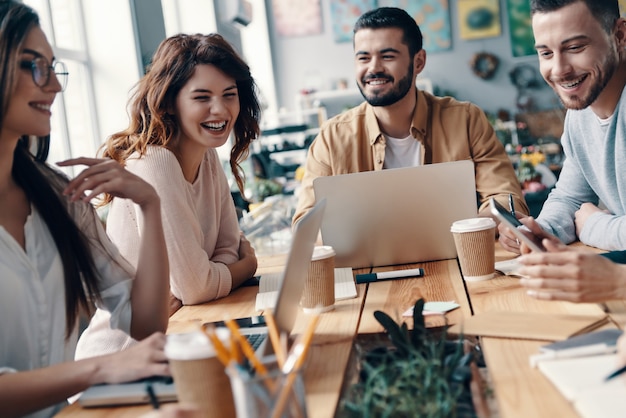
222, 352
154, 401
247, 349
275, 338
294, 363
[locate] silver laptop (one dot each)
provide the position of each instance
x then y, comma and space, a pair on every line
292, 283
396, 216
285, 313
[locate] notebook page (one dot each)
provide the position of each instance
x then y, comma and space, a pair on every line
345, 288
574, 376
606, 400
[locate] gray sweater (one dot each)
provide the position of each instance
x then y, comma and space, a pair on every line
594, 153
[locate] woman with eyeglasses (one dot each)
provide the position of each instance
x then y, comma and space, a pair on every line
195, 94
56, 261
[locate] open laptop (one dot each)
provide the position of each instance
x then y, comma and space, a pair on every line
285, 313
396, 216
290, 291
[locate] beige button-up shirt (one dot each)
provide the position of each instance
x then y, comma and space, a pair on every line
449, 130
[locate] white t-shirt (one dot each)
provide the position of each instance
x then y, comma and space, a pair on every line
402, 152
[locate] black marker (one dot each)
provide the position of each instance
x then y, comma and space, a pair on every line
387, 275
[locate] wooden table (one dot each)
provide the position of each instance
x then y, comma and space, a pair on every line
327, 359
520, 390
442, 281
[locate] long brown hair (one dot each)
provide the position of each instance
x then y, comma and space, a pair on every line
154, 98
42, 185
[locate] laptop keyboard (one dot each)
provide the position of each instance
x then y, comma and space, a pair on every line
255, 340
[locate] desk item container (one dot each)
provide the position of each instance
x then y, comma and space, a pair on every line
200, 377
475, 240
275, 395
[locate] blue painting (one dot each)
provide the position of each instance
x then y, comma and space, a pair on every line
433, 18
344, 14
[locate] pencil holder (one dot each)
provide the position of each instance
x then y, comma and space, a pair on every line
275, 395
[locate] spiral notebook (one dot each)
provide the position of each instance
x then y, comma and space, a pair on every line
130, 393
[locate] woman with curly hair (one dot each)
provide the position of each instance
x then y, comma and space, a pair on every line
197, 91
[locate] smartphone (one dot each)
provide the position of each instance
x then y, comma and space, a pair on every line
248, 322
506, 217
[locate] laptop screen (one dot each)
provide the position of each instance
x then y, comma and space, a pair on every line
396, 216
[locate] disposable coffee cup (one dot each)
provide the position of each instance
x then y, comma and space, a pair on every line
474, 239
200, 378
319, 286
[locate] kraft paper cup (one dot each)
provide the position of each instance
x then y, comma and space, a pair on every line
474, 239
319, 286
199, 376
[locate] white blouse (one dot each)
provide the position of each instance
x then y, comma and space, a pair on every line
32, 295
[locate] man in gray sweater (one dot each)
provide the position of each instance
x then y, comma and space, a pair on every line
584, 61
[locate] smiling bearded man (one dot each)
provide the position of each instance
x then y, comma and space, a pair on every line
401, 126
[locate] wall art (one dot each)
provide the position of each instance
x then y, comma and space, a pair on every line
433, 18
297, 17
479, 19
520, 29
344, 13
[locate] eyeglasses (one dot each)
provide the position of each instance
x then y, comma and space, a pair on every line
41, 69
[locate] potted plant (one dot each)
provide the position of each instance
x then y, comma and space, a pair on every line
419, 374
528, 176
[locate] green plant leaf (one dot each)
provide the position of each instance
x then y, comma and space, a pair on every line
397, 334
419, 325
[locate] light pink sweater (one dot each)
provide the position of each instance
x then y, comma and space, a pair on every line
199, 222
201, 231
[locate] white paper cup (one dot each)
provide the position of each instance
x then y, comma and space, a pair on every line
199, 376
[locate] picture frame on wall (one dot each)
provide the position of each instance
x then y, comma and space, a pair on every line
479, 19
520, 28
297, 17
344, 14
433, 18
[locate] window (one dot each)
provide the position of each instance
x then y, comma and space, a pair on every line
63, 23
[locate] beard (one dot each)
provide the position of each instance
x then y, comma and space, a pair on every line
396, 94
608, 68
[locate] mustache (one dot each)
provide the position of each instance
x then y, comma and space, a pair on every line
374, 76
